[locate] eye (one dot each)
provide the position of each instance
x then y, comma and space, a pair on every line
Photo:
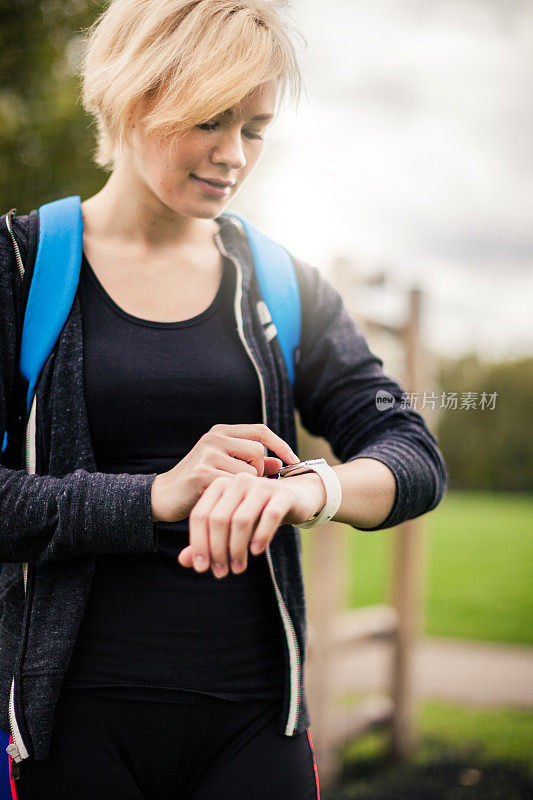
211, 126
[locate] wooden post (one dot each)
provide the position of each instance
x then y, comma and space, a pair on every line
326, 591
407, 569
327, 559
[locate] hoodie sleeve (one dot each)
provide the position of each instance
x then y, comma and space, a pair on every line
44, 517
337, 379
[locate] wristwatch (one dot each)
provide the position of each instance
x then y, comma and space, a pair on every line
331, 484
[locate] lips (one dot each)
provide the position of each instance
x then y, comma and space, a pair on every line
212, 189
223, 184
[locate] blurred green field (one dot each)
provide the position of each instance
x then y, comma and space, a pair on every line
475, 754
479, 559
503, 733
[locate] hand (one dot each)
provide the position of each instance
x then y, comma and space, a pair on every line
224, 451
241, 510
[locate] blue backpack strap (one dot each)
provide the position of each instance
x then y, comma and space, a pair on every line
54, 283
279, 289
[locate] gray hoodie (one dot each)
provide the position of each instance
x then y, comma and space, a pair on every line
60, 518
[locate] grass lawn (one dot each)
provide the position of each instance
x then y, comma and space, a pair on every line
479, 557
497, 732
463, 753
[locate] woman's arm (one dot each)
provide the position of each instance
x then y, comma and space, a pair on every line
243, 512
368, 492
337, 381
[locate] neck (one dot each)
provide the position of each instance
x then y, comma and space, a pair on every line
126, 210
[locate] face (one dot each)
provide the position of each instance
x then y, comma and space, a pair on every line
183, 172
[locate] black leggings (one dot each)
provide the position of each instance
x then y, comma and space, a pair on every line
117, 749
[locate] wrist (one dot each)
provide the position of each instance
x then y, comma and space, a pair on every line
331, 487
313, 485
159, 510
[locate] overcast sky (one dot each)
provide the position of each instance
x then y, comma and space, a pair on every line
413, 152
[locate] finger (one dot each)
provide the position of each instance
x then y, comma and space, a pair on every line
271, 519
198, 523
238, 455
185, 556
272, 465
247, 450
234, 465
261, 433
219, 520
243, 523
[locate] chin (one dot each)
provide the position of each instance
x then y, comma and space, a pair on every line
207, 214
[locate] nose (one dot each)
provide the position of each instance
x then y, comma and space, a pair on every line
229, 151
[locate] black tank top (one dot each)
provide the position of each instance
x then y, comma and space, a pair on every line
153, 629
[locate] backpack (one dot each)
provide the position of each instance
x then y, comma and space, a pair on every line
49, 284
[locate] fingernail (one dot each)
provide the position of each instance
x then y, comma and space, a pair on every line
255, 547
199, 561
236, 564
219, 569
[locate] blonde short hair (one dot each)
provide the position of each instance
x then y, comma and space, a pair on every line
193, 58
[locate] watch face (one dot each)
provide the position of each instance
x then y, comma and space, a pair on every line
296, 470
301, 468
290, 469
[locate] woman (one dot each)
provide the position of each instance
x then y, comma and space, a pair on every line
158, 650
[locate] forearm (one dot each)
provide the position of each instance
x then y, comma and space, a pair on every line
43, 518
368, 492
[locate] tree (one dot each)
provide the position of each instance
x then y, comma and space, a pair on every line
46, 138
489, 449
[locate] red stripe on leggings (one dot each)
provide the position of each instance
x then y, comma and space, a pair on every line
11, 781
314, 763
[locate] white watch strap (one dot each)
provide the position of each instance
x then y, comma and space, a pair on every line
333, 491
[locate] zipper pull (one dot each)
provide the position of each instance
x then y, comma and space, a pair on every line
13, 751
15, 770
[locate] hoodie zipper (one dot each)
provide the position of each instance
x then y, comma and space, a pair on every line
292, 642
20, 265
17, 749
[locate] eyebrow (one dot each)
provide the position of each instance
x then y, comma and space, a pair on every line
258, 117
